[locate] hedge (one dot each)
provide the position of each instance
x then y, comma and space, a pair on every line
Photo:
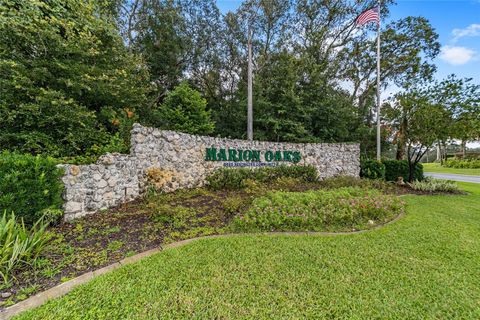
463, 164
234, 178
372, 169
30, 186
399, 168
389, 170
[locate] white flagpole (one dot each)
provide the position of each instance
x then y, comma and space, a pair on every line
250, 87
378, 84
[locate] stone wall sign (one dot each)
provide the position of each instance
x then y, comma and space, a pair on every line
174, 160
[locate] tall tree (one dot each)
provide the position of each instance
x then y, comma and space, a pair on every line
462, 98
67, 79
421, 121
408, 48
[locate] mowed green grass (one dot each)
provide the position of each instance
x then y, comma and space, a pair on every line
424, 266
436, 167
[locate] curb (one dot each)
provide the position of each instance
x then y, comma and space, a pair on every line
64, 288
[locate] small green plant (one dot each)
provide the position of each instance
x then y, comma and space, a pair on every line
254, 187
176, 217
115, 229
52, 215
19, 245
25, 292
435, 185
233, 204
115, 245
130, 253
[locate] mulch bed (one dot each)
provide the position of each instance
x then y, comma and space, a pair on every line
101, 239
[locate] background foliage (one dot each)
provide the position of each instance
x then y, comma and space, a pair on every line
76, 74
67, 80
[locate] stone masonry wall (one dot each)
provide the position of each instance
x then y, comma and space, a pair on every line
170, 160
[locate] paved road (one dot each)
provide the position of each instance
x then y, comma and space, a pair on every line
455, 177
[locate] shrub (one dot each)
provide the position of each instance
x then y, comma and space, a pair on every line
29, 185
286, 183
317, 210
435, 185
234, 204
463, 164
348, 181
234, 178
116, 144
184, 110
399, 168
19, 246
372, 169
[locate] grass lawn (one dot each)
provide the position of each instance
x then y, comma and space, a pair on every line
424, 266
436, 167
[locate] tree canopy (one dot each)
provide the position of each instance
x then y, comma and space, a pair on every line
76, 74
66, 77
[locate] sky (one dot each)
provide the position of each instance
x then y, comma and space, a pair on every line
458, 24
456, 21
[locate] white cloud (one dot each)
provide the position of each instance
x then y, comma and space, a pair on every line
456, 55
472, 30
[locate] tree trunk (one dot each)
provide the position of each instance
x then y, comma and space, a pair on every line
464, 148
444, 152
439, 153
411, 168
400, 151
401, 141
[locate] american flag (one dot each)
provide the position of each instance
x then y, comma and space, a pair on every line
368, 16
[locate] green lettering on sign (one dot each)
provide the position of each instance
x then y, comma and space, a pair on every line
256, 155
211, 154
247, 155
232, 155
296, 157
278, 156
235, 155
222, 155
240, 155
269, 156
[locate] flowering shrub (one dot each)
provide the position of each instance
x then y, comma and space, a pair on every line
318, 210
